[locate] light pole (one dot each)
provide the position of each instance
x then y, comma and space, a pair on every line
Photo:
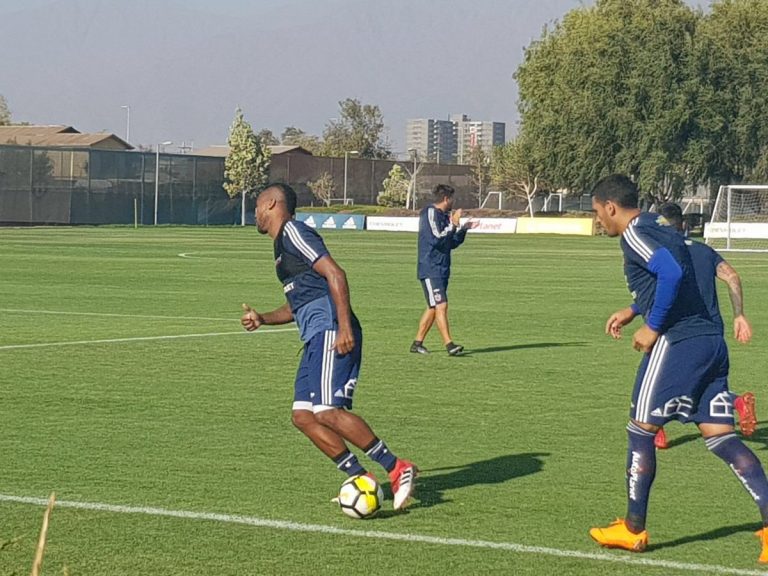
127, 123
157, 174
346, 159
414, 152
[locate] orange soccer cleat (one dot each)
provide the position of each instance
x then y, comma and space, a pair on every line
660, 440
745, 406
617, 535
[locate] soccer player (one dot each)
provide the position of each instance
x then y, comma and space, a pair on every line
684, 371
317, 296
440, 232
710, 266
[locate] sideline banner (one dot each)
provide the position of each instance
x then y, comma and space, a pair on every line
411, 224
392, 223
739, 230
576, 226
332, 221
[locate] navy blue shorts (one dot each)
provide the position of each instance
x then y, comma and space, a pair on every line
685, 381
435, 291
325, 379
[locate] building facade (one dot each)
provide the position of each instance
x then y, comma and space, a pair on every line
450, 141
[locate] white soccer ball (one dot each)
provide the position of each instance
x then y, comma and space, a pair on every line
360, 497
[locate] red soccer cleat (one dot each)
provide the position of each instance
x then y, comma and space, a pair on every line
745, 406
403, 478
660, 440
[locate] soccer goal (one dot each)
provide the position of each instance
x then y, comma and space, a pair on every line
739, 219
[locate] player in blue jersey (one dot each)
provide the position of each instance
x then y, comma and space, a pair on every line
709, 266
684, 371
317, 296
440, 232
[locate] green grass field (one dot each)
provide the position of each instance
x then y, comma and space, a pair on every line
521, 442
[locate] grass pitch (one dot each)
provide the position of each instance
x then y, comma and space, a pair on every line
164, 403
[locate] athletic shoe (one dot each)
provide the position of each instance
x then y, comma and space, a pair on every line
617, 535
763, 535
745, 406
455, 350
403, 478
660, 440
419, 349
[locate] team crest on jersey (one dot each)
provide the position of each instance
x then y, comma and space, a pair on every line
348, 391
721, 406
682, 405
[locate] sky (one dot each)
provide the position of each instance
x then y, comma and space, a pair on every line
184, 66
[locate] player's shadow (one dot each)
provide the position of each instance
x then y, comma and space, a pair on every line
685, 439
721, 532
431, 487
512, 347
760, 436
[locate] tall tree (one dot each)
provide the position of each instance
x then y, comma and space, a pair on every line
293, 136
609, 89
480, 167
267, 138
359, 127
517, 171
246, 167
5, 113
731, 141
395, 188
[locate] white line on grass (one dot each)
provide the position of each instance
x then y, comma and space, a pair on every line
376, 534
137, 339
111, 315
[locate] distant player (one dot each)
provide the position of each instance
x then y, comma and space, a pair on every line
684, 371
440, 232
710, 266
318, 300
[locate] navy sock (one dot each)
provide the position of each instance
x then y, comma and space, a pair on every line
641, 470
745, 465
349, 464
378, 452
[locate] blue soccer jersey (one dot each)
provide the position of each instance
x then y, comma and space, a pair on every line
297, 248
705, 262
437, 237
661, 279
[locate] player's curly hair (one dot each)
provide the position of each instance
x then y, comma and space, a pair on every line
618, 189
289, 195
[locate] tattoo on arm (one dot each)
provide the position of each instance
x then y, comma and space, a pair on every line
728, 274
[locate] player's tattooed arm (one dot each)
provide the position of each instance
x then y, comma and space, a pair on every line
742, 329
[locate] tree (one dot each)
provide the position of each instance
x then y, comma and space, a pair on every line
246, 167
323, 188
610, 90
293, 136
395, 188
515, 170
730, 54
267, 138
480, 166
359, 127
5, 113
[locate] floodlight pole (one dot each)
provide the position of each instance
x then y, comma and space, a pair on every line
127, 123
346, 160
157, 174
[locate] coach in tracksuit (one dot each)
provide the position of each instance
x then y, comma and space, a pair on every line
440, 232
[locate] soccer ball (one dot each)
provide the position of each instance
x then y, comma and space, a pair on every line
360, 497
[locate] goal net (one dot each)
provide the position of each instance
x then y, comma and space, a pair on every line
739, 219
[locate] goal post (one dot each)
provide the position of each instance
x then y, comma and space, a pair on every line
739, 219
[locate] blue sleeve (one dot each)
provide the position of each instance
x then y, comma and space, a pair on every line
668, 277
635, 308
439, 236
304, 242
458, 238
